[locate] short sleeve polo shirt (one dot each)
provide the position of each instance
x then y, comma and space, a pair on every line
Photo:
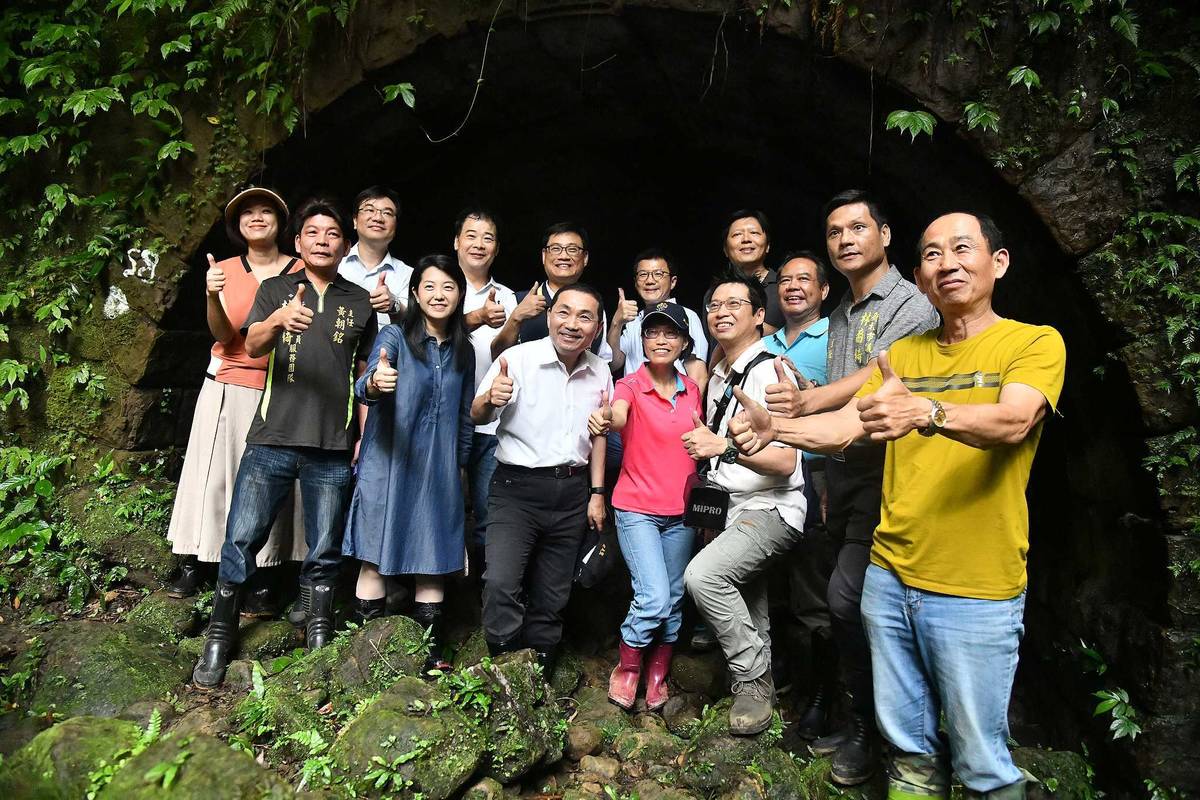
308, 400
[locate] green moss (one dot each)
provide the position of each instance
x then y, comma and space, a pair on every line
1063, 773
127, 526
56, 764
205, 769
69, 407
168, 617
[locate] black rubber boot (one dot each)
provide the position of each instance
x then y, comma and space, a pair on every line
189, 579
298, 616
367, 610
319, 628
258, 594
429, 617
856, 760
500, 648
814, 721
221, 638
547, 659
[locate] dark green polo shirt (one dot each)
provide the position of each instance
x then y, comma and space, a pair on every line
309, 397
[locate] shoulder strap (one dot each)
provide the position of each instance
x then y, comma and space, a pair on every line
735, 379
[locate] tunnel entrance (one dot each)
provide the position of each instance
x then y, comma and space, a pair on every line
647, 127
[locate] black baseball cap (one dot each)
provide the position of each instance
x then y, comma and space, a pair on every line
667, 312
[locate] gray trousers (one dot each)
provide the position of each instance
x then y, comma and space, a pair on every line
728, 583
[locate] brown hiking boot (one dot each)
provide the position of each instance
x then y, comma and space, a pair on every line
753, 704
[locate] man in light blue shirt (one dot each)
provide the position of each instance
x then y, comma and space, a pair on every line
654, 280
369, 264
803, 286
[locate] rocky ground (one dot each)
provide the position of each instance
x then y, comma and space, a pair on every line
103, 708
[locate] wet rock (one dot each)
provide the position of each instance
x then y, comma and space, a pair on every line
264, 639
16, 730
416, 733
653, 790
57, 762
101, 668
471, 651
524, 725
206, 719
596, 669
583, 739
239, 676
171, 618
204, 767
567, 674
598, 765
1060, 773
647, 745
702, 673
123, 538
140, 713
682, 713
486, 789
716, 761
593, 706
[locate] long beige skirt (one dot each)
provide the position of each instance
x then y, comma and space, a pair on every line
215, 446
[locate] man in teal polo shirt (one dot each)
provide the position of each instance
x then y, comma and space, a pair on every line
803, 286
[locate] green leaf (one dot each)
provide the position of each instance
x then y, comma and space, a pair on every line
174, 149
913, 123
979, 115
181, 45
1125, 23
1109, 106
1024, 75
1042, 21
402, 90
88, 101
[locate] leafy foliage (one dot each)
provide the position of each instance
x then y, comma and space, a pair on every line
913, 123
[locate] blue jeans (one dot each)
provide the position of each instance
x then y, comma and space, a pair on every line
481, 465
264, 480
656, 550
934, 652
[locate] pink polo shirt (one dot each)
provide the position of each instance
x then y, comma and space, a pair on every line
655, 467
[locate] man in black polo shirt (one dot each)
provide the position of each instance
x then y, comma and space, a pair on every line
564, 257
316, 329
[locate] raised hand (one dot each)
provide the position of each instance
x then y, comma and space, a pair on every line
892, 411
493, 312
381, 298
502, 386
214, 277
295, 316
385, 374
783, 396
600, 421
531, 306
701, 443
627, 310
752, 428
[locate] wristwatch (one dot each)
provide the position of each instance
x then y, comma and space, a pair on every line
937, 419
731, 453
596, 490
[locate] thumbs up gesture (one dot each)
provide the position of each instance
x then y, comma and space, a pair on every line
701, 443
532, 305
502, 386
892, 411
381, 297
600, 421
295, 316
493, 312
214, 277
783, 397
627, 310
752, 428
385, 374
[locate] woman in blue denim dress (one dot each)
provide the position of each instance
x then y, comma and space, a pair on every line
406, 516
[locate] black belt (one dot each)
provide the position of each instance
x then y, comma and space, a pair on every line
562, 471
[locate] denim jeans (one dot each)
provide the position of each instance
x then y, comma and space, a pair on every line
481, 465
264, 480
932, 653
656, 550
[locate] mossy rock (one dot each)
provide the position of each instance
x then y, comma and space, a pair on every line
471, 651
265, 639
414, 730
647, 745
593, 706
206, 769
653, 790
524, 725
138, 541
70, 408
101, 668
169, 617
56, 764
567, 674
716, 760
1061, 772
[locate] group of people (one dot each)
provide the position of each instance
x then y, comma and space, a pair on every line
880, 455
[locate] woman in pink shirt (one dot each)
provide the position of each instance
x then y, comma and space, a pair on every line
652, 409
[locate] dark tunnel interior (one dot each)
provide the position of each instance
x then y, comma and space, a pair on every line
649, 127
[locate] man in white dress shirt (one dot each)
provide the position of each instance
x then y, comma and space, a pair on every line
549, 479
369, 264
486, 305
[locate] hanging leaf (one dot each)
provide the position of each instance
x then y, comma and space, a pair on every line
1024, 75
1125, 23
913, 123
979, 115
402, 90
1042, 21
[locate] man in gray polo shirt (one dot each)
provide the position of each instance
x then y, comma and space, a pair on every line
880, 308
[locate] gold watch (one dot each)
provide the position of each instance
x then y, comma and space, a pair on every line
937, 419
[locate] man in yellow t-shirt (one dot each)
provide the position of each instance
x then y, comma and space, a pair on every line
961, 409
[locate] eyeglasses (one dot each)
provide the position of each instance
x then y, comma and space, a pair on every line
669, 334
370, 211
572, 250
733, 304
657, 274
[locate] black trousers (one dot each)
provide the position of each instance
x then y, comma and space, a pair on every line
535, 529
855, 489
